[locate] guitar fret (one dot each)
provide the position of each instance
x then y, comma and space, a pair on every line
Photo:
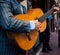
42, 18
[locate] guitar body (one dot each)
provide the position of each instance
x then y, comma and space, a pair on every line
21, 38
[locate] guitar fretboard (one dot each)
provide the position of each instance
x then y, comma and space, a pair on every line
44, 17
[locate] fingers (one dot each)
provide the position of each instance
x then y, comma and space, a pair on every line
37, 28
56, 8
37, 25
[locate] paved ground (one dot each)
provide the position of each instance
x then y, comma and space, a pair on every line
53, 44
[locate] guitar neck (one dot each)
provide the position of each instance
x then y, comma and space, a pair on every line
44, 17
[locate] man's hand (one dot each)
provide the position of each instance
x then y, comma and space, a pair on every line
56, 8
37, 25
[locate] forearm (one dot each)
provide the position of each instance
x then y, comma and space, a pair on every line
9, 23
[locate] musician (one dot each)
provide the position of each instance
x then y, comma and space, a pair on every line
58, 21
9, 8
45, 36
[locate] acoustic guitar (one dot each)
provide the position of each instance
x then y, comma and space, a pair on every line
27, 40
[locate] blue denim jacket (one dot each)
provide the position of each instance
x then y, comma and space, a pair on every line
8, 8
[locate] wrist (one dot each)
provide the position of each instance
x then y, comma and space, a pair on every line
32, 25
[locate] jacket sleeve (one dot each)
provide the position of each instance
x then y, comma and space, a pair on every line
9, 23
